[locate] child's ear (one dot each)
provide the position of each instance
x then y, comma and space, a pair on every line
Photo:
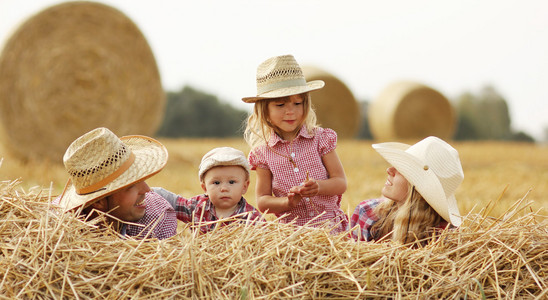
246, 186
202, 184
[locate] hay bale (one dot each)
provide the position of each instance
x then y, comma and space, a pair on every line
71, 68
410, 110
335, 105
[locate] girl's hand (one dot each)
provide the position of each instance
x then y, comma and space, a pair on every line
309, 188
293, 200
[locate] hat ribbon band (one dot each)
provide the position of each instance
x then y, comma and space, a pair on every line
110, 178
280, 85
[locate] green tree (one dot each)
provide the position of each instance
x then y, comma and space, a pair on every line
192, 113
484, 116
364, 132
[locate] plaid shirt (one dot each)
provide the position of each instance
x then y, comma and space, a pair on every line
158, 210
159, 216
307, 151
364, 217
201, 211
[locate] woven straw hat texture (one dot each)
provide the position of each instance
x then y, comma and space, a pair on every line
71, 68
99, 163
281, 76
411, 110
335, 105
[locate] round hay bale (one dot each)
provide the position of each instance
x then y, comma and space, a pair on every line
335, 105
410, 110
71, 68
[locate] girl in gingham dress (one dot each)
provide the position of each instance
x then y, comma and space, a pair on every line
299, 175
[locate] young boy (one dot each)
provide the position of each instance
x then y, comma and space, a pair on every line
224, 177
108, 173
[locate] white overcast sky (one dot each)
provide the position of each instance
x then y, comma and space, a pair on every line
452, 46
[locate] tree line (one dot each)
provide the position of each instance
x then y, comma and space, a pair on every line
193, 113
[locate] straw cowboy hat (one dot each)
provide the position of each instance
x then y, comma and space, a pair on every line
281, 76
433, 167
222, 156
99, 164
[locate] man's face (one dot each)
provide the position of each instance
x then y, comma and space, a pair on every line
130, 201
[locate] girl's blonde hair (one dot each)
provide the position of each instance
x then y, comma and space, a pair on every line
412, 222
259, 129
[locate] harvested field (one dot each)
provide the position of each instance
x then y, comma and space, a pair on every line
499, 252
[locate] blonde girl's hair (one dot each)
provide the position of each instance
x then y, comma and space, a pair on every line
412, 222
258, 128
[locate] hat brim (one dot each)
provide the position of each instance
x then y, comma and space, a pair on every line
150, 158
287, 91
424, 179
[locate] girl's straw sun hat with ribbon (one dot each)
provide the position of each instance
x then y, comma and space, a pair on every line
281, 76
99, 164
433, 167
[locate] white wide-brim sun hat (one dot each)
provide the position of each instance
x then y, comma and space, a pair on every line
433, 167
281, 76
100, 164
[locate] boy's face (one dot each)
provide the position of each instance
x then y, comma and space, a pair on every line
130, 201
225, 186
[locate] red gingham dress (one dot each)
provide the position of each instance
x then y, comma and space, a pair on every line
308, 151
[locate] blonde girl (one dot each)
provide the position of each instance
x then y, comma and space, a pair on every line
418, 196
299, 175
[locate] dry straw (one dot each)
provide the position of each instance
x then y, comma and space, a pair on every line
335, 105
71, 68
48, 255
410, 110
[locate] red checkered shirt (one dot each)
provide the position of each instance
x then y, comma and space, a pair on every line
159, 215
201, 211
307, 151
364, 217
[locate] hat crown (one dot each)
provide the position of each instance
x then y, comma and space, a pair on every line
442, 159
222, 156
281, 76
279, 72
95, 156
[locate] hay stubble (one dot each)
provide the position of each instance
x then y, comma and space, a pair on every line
48, 255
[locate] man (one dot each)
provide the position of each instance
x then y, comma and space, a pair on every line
107, 174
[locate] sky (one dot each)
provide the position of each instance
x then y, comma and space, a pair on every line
451, 46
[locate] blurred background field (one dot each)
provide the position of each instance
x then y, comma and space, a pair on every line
69, 67
44, 107
492, 170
